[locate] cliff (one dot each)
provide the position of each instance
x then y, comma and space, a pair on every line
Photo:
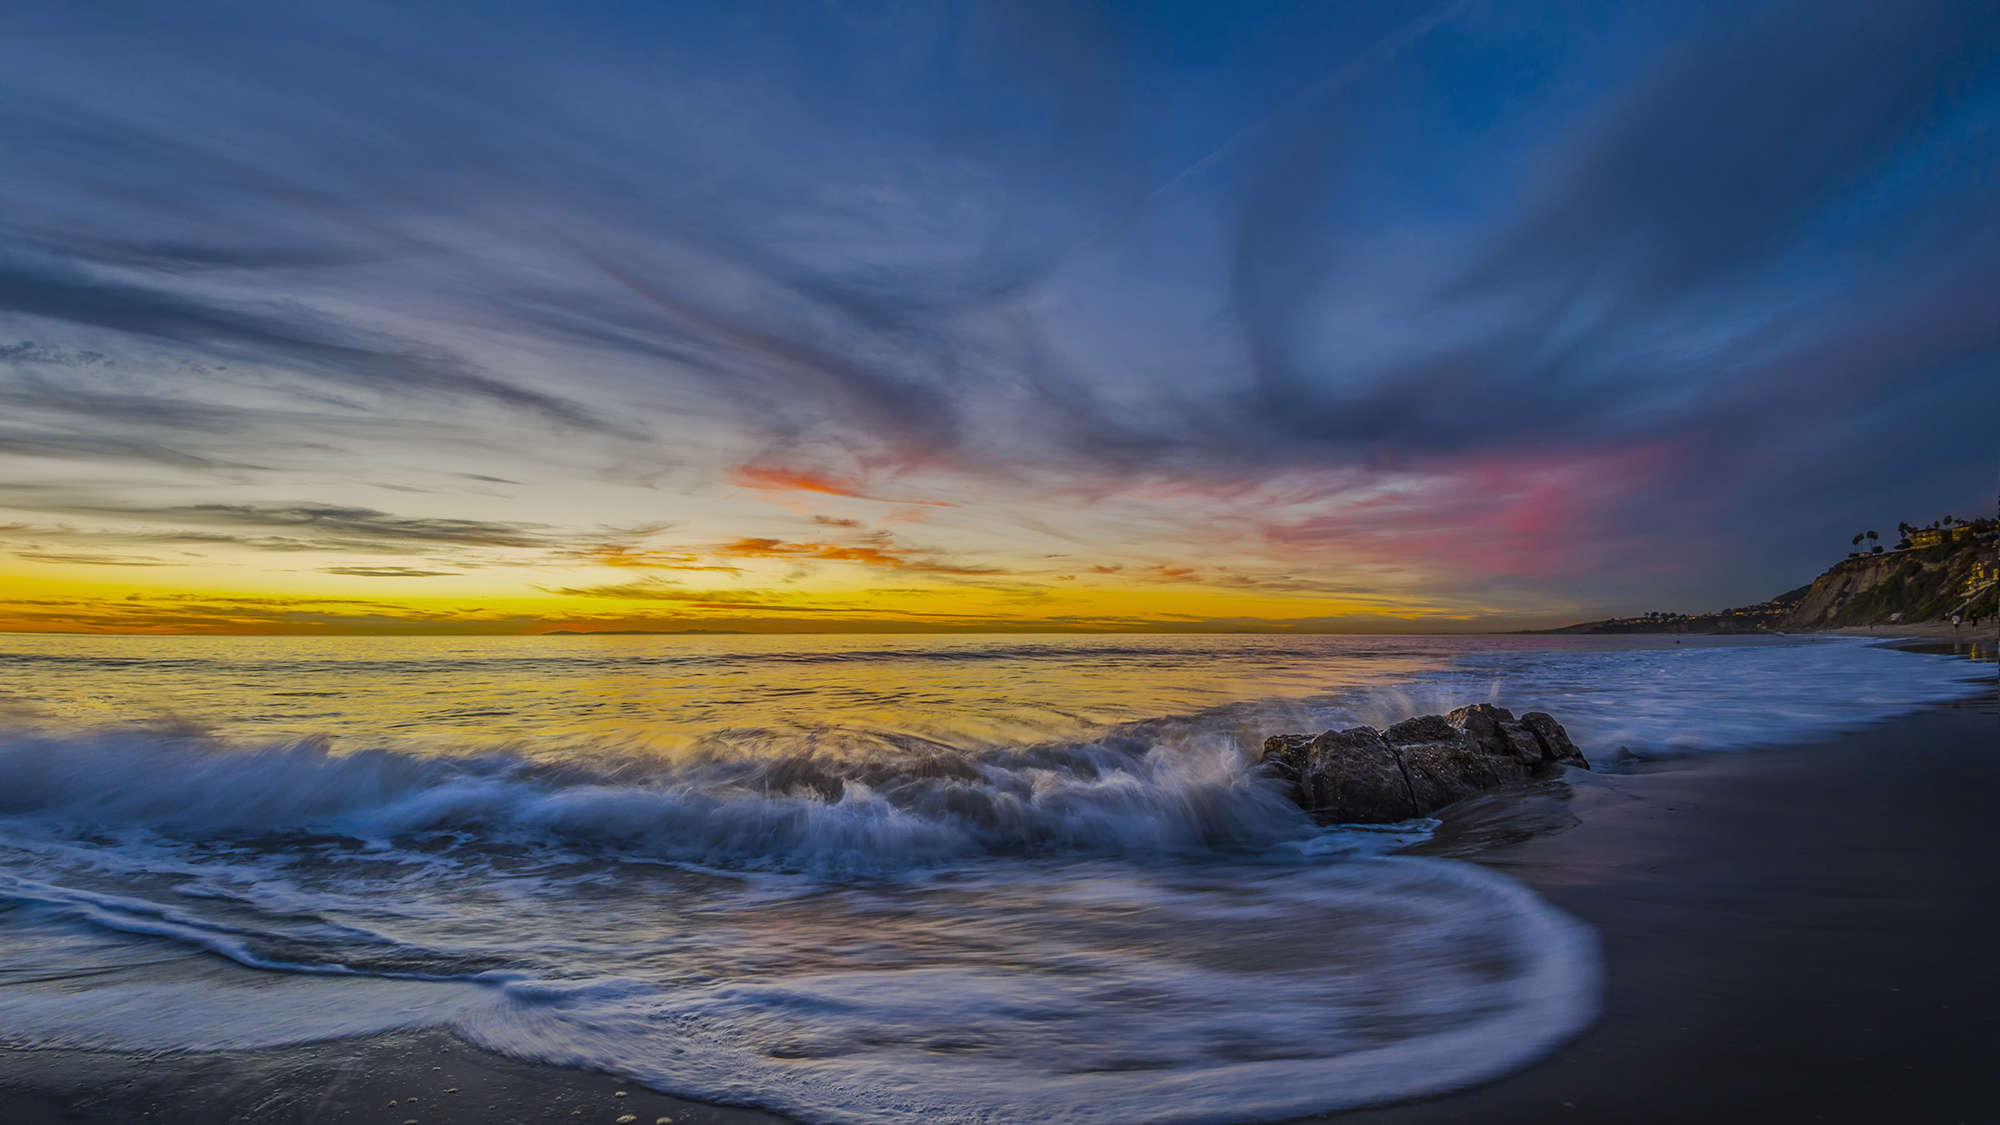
1927, 584
1897, 587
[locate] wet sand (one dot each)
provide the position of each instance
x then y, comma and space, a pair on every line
1986, 633
1797, 935
1791, 935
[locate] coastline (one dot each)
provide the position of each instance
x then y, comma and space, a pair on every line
1987, 632
1791, 934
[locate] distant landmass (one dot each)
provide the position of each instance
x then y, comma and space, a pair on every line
646, 632
1932, 574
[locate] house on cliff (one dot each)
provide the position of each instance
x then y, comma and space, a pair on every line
1922, 537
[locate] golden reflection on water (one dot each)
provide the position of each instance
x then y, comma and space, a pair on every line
667, 693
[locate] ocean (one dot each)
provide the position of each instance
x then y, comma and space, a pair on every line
850, 879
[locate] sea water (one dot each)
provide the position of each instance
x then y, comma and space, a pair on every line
951, 879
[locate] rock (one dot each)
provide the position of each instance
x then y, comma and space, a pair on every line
1443, 772
1497, 731
1423, 728
1420, 765
1353, 776
1522, 744
1285, 759
1481, 724
1556, 746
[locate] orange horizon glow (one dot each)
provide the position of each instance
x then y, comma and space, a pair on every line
814, 552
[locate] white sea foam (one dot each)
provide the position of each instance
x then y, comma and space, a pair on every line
869, 910
1691, 697
1090, 991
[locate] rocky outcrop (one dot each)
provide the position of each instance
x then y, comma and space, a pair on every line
1368, 776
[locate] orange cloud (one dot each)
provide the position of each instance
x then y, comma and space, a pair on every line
781, 478
880, 553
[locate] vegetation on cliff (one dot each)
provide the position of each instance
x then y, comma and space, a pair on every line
1948, 568
1904, 587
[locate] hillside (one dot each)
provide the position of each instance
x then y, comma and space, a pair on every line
1906, 586
1902, 587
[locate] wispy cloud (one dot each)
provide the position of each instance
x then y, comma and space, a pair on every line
91, 560
1455, 293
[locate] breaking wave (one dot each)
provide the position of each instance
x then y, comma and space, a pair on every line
844, 801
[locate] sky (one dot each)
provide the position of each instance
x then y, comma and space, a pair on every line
818, 316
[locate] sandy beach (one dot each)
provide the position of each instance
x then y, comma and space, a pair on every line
1986, 632
1796, 934
1793, 934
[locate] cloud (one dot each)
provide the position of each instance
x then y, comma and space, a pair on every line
618, 555
96, 532
309, 525
782, 479
747, 598
880, 552
367, 523
92, 560
1037, 269
288, 338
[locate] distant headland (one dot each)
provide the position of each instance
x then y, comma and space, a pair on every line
1933, 574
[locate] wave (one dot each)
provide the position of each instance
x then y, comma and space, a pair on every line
828, 800
1091, 991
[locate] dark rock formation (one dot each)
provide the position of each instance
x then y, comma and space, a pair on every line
1349, 776
1420, 765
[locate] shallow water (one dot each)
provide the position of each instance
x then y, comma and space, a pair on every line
850, 878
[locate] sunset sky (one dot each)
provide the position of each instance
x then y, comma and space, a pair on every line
496, 317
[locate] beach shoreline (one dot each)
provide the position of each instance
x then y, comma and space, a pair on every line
1987, 632
1790, 934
